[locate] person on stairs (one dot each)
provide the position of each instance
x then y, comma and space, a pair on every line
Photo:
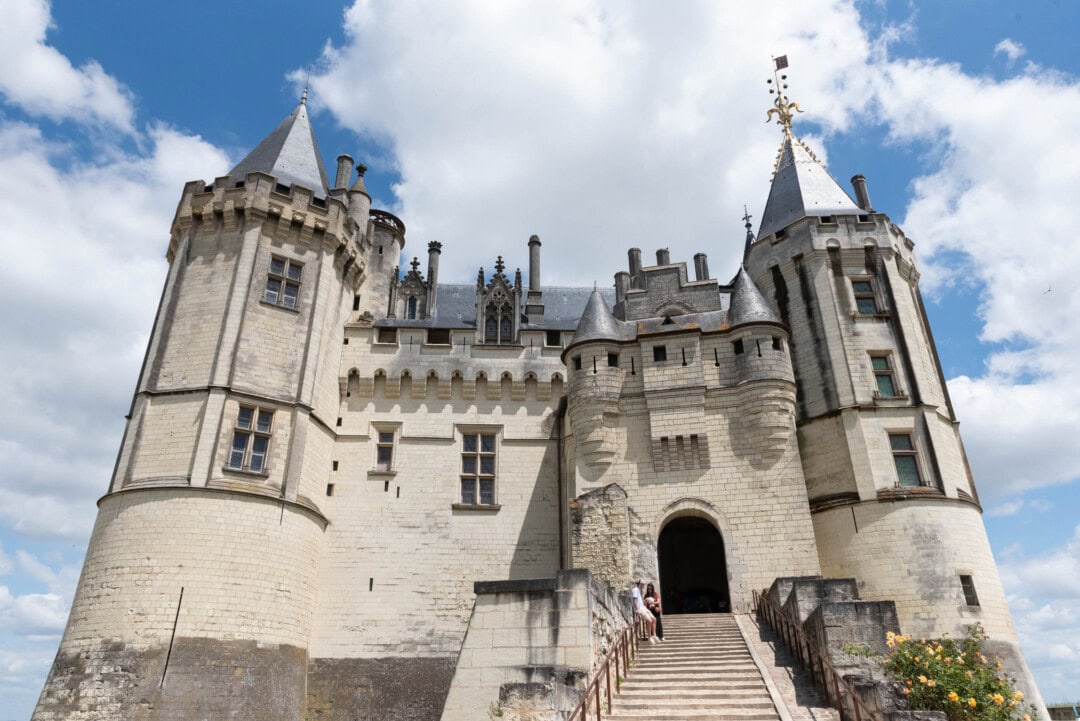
652, 602
641, 610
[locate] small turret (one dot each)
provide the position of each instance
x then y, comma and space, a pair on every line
748, 305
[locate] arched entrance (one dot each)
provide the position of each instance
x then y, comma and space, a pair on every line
693, 568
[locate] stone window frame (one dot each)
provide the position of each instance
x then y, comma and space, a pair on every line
387, 436
280, 272
902, 455
247, 436
865, 294
478, 452
888, 371
553, 334
659, 354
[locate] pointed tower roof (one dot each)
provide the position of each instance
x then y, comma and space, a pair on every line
748, 305
800, 185
597, 321
289, 153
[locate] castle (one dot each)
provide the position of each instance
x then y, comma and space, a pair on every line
333, 470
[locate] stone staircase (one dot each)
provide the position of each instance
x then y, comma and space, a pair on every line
703, 671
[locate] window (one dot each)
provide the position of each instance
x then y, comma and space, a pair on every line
883, 374
777, 344
553, 338
738, 347
478, 469
865, 300
438, 336
907, 467
659, 353
251, 439
613, 360
356, 302
577, 362
968, 586
387, 335
384, 451
283, 282
410, 310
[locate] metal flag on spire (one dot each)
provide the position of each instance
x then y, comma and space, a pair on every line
782, 106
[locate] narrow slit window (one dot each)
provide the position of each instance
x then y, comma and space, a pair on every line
968, 586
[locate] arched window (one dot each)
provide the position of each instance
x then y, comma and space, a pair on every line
491, 330
410, 313
505, 332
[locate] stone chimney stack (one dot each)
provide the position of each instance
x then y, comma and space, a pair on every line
663, 257
635, 267
534, 299
622, 285
434, 250
701, 267
344, 170
862, 195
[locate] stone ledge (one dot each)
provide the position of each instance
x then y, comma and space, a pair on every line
524, 585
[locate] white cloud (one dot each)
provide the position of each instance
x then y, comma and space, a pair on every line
1010, 49
1046, 588
41, 80
598, 126
32, 612
82, 289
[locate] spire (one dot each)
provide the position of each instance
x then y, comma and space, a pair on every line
801, 186
748, 305
749, 232
597, 321
289, 153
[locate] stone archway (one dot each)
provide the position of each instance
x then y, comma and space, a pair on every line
693, 567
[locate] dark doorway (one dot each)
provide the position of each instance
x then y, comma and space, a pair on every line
693, 569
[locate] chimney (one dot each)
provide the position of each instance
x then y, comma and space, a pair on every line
701, 267
344, 170
622, 284
663, 257
534, 264
862, 195
434, 250
534, 299
635, 267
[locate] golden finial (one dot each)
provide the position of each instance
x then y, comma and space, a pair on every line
782, 106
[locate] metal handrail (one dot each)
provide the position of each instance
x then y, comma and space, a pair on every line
837, 690
623, 653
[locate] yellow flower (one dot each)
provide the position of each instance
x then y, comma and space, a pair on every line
922, 679
972, 703
1027, 718
999, 666
908, 682
916, 659
998, 699
1018, 696
931, 683
953, 696
890, 634
948, 659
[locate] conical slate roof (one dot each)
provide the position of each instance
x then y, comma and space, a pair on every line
800, 187
748, 305
597, 321
289, 153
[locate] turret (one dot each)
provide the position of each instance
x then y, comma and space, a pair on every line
886, 472
214, 467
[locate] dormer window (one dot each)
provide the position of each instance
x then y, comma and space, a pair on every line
499, 324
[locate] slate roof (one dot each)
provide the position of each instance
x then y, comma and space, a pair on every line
290, 154
802, 187
456, 308
748, 305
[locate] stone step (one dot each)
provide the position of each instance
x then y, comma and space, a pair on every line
679, 715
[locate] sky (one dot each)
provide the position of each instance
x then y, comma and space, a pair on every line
597, 125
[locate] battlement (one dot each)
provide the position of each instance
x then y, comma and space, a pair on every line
260, 197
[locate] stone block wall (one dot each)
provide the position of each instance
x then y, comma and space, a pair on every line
529, 644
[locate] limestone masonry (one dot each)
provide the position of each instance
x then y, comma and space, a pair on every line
352, 491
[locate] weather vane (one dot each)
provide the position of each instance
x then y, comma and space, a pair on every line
782, 106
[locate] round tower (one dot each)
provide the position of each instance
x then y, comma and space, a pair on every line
198, 589
891, 495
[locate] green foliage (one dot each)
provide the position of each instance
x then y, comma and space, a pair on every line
954, 676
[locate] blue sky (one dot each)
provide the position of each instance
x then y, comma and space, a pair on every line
597, 125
